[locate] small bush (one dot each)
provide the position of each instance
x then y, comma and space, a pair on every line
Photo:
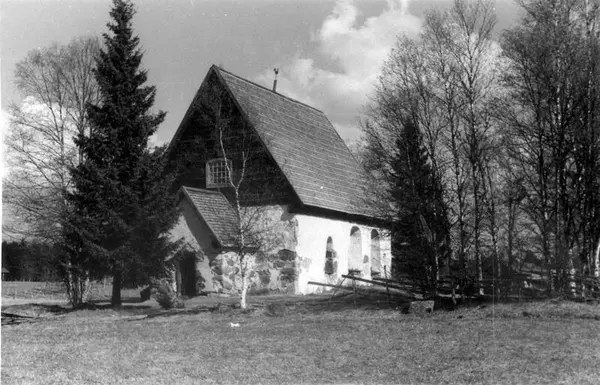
420, 307
163, 293
259, 291
275, 310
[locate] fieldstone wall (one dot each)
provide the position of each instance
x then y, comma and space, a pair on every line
225, 268
274, 272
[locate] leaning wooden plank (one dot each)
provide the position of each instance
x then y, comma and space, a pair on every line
340, 287
329, 285
386, 283
365, 290
391, 286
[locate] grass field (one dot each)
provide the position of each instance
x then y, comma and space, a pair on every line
312, 340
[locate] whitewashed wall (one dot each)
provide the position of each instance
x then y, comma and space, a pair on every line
312, 242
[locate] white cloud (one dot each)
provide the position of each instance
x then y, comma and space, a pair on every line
358, 51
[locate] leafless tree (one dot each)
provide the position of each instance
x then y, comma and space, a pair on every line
56, 84
444, 82
474, 62
553, 128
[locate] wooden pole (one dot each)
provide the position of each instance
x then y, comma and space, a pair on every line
336, 287
328, 285
405, 292
358, 289
350, 289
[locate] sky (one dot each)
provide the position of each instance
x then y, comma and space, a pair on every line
329, 52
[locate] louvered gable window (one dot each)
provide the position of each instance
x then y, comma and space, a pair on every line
216, 173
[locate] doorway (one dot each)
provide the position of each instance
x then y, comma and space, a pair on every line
187, 268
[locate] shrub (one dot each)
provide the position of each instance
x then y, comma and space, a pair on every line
275, 309
163, 293
420, 307
259, 290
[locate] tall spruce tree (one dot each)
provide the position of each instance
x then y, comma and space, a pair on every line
421, 229
124, 208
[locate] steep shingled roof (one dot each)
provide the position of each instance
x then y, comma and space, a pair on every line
305, 145
302, 141
216, 211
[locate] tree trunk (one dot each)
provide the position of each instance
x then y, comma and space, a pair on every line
510, 234
477, 225
596, 262
116, 288
87, 287
547, 259
77, 286
243, 303
244, 272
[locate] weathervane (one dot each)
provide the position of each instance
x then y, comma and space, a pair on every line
276, 70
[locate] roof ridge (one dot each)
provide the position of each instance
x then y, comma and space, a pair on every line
267, 89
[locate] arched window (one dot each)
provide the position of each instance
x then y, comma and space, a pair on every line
375, 253
330, 266
355, 260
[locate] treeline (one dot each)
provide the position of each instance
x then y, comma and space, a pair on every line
29, 261
489, 148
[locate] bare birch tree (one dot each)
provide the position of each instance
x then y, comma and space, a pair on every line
56, 84
251, 182
444, 82
474, 66
245, 221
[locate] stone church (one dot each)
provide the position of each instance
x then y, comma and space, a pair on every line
255, 157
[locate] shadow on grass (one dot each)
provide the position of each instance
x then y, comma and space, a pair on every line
276, 306
349, 301
42, 310
36, 308
103, 305
33, 312
483, 306
123, 300
174, 312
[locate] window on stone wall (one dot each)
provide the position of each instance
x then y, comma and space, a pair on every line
216, 173
375, 253
330, 267
355, 259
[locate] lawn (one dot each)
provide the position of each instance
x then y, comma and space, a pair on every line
310, 340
